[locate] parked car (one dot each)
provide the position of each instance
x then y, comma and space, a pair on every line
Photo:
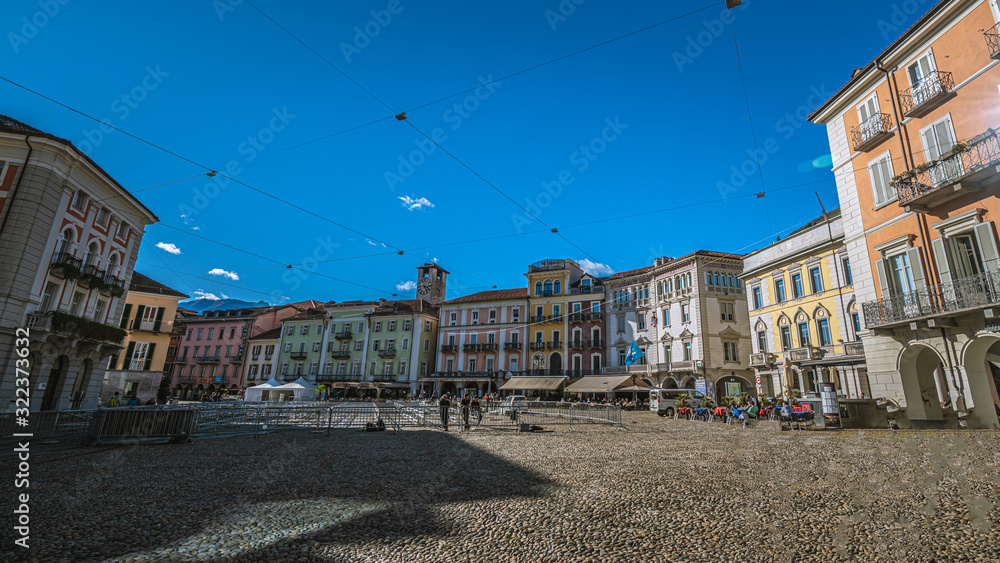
513, 402
664, 401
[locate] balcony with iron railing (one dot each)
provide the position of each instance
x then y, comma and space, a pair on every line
387, 353
489, 347
555, 318
962, 170
538, 345
213, 359
547, 266
512, 346
445, 348
340, 354
597, 316
634, 368
236, 359
537, 318
992, 36
300, 354
470, 347
961, 296
576, 344
91, 277
66, 265
933, 90
554, 345
465, 374
113, 285
576, 317
871, 132
343, 335
327, 376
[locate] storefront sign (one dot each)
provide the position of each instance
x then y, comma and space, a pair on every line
699, 386
992, 326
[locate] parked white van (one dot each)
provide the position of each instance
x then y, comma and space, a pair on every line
663, 401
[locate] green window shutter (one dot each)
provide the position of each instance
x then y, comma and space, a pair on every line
917, 268
942, 260
127, 360
988, 246
139, 309
149, 356
159, 319
883, 278
125, 315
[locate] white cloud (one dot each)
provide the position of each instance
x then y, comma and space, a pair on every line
220, 272
168, 247
414, 204
435, 260
195, 228
205, 295
373, 243
406, 286
595, 268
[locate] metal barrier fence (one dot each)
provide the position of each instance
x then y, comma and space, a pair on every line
215, 419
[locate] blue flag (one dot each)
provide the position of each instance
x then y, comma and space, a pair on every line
634, 353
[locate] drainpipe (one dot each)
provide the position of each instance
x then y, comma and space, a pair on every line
930, 269
13, 190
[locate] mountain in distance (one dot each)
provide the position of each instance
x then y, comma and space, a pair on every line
202, 305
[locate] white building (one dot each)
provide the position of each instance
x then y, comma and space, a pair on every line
69, 236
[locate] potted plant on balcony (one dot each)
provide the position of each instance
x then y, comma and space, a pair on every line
69, 271
116, 291
959, 148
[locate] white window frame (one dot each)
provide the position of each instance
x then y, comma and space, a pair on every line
864, 103
888, 180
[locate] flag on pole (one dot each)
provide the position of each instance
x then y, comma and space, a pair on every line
634, 353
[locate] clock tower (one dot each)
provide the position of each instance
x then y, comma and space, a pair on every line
431, 280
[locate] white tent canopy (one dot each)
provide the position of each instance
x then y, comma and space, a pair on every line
301, 389
256, 392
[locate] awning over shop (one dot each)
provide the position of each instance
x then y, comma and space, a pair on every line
597, 383
533, 383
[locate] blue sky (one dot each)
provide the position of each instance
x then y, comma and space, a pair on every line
654, 121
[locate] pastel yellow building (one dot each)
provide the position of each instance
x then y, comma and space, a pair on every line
803, 312
148, 316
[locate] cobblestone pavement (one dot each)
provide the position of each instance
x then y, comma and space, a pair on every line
660, 490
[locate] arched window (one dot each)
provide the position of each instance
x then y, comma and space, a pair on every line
708, 278
548, 287
538, 288
66, 244
92, 255
113, 265
557, 287
726, 280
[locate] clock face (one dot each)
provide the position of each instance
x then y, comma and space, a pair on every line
425, 284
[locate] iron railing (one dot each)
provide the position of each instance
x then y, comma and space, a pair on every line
344, 335
512, 346
449, 347
870, 129
981, 152
596, 316
67, 259
992, 36
974, 292
387, 353
340, 354
934, 84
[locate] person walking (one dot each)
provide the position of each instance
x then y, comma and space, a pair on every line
445, 406
466, 404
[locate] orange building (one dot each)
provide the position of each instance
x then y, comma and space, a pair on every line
916, 160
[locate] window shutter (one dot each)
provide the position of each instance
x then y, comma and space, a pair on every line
159, 319
149, 356
930, 144
988, 246
139, 310
917, 268
883, 279
125, 315
127, 360
944, 270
